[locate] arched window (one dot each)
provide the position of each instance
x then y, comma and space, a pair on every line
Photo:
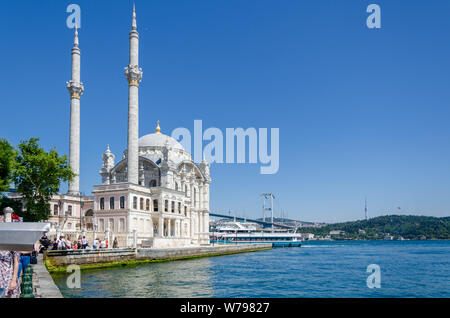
185, 210
147, 204
179, 207
135, 203
173, 207
102, 203
166, 205
55, 209
176, 186
153, 183
111, 203
141, 204
69, 211
155, 205
185, 190
122, 202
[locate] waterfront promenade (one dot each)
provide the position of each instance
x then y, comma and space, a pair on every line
58, 261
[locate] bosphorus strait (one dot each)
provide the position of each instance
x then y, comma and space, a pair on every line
317, 269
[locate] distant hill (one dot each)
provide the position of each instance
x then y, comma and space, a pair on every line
407, 226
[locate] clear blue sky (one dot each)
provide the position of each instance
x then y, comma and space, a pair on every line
361, 112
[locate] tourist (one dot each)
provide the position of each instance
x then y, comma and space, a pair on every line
45, 242
84, 242
62, 243
54, 243
68, 245
24, 260
103, 244
9, 268
78, 243
95, 244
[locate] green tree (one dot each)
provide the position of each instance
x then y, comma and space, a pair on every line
7, 163
37, 176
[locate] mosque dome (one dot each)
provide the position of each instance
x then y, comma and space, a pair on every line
158, 139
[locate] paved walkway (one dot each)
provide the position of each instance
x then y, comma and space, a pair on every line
43, 284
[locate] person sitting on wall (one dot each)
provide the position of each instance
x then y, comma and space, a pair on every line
84, 243
95, 244
62, 243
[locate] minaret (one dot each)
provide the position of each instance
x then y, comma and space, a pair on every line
134, 76
76, 89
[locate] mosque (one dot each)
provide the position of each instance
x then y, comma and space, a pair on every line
154, 196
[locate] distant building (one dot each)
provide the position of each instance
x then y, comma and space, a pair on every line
388, 237
307, 236
337, 232
361, 231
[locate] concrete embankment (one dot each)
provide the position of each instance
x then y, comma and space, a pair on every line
57, 261
43, 284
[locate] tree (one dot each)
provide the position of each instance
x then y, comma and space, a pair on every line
37, 176
7, 163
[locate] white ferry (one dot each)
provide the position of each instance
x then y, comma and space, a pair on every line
235, 232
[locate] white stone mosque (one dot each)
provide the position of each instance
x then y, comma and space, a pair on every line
154, 196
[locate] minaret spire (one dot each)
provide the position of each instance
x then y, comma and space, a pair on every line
133, 74
76, 89
134, 24
75, 42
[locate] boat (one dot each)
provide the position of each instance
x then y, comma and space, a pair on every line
236, 232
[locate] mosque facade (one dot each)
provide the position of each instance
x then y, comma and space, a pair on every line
155, 195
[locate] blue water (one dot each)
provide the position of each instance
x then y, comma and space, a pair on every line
317, 269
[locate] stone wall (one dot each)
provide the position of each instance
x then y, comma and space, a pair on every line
198, 251
58, 260
85, 257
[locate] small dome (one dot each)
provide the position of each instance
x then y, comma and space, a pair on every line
159, 140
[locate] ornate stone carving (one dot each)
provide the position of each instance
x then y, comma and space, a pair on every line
75, 89
133, 73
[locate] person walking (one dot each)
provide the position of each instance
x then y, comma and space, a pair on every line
9, 268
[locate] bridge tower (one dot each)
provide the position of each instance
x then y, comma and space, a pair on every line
268, 205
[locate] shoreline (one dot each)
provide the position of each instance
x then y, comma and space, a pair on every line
58, 261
